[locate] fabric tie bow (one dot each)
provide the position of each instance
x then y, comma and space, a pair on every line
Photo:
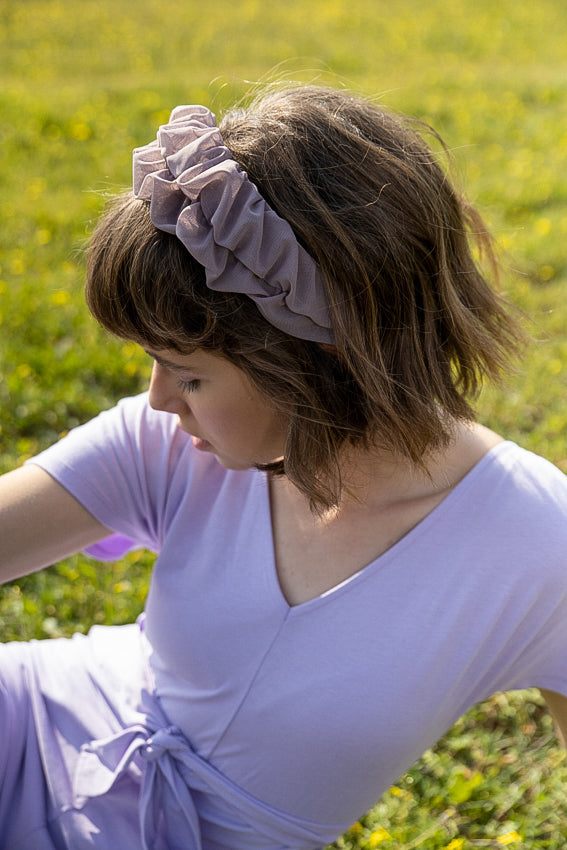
171, 775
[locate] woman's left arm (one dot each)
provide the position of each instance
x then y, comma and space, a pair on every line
557, 704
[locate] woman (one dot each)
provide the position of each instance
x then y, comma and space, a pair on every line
347, 561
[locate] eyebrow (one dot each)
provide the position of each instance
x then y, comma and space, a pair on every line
167, 364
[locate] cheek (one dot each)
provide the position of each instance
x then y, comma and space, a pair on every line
224, 419
253, 430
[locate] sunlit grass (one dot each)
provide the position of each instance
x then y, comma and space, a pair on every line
82, 84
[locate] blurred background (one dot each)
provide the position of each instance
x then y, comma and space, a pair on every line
82, 83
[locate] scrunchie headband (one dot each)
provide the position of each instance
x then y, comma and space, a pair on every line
198, 192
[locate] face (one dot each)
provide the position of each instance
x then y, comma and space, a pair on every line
217, 404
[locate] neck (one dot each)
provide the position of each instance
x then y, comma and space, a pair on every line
373, 479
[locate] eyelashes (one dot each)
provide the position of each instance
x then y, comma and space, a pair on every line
188, 386
174, 370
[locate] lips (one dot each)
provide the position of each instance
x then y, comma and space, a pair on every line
198, 442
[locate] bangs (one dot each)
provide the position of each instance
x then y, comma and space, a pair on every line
143, 285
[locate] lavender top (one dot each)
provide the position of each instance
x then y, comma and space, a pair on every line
316, 709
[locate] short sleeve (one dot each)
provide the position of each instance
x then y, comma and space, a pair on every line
119, 466
527, 552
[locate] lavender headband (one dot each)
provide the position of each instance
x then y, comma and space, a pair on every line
198, 192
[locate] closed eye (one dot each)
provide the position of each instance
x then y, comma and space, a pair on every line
188, 386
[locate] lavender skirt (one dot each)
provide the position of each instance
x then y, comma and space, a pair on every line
56, 696
89, 761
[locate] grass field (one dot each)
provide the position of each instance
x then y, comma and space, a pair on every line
81, 84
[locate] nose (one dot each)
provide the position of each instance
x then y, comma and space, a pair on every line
165, 393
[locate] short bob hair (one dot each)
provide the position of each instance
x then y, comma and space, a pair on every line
417, 324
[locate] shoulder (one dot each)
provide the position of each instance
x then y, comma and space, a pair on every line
520, 500
128, 442
489, 459
529, 474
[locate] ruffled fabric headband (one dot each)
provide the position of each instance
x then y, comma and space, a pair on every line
198, 192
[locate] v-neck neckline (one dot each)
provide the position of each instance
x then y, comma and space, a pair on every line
431, 518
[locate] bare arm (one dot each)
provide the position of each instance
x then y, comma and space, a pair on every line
40, 522
557, 704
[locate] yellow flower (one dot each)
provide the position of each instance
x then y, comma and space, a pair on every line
80, 131
455, 844
546, 272
60, 297
356, 829
43, 236
23, 370
509, 837
18, 266
542, 226
399, 792
377, 836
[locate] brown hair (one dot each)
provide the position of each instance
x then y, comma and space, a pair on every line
417, 324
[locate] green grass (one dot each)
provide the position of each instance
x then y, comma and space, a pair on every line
81, 84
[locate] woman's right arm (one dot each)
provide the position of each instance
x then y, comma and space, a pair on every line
40, 522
